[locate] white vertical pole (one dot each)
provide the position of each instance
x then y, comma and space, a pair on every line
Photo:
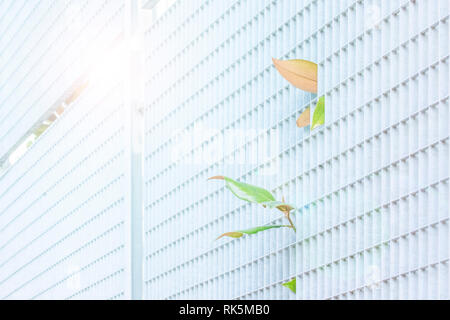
133, 101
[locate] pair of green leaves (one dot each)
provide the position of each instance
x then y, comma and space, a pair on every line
254, 194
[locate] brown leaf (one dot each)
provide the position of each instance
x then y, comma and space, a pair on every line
304, 119
235, 235
217, 178
302, 74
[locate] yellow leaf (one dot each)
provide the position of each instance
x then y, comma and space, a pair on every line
301, 74
238, 234
235, 235
304, 119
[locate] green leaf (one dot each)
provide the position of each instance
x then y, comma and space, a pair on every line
291, 285
246, 192
238, 234
319, 114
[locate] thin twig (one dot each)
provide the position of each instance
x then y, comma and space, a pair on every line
290, 221
287, 215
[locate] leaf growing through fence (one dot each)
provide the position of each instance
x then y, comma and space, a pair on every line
245, 191
291, 285
319, 114
304, 119
302, 74
238, 234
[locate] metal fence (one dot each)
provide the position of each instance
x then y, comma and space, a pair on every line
371, 184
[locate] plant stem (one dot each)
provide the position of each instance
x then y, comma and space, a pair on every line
287, 214
290, 221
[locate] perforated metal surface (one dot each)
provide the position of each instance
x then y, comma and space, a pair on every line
371, 184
